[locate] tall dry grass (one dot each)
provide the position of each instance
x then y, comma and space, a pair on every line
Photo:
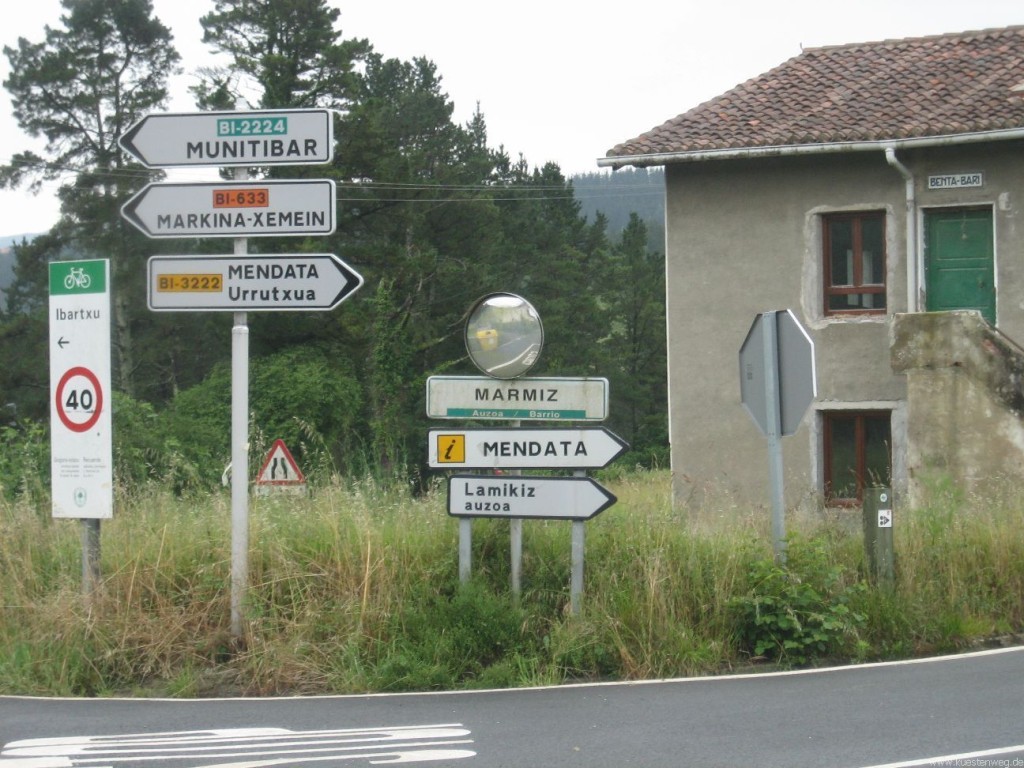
355, 589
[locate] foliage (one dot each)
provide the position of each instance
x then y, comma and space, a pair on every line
138, 446
429, 214
85, 85
81, 88
355, 589
445, 641
289, 50
635, 346
301, 395
799, 611
24, 461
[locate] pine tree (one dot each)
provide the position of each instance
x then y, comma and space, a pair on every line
80, 89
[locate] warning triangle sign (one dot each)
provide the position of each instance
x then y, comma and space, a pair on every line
280, 468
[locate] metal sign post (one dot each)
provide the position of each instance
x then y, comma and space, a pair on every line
777, 384
579, 532
239, 453
515, 537
81, 484
773, 429
241, 140
504, 337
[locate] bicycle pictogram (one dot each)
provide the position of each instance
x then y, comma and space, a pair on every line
77, 278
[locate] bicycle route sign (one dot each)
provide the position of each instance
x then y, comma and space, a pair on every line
80, 401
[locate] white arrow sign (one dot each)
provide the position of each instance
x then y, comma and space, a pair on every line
282, 282
234, 209
519, 496
514, 448
273, 137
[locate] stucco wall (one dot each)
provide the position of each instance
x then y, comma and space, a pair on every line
743, 237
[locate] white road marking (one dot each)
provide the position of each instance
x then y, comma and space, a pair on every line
245, 747
958, 759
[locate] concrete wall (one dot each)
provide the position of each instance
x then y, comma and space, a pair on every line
965, 402
744, 237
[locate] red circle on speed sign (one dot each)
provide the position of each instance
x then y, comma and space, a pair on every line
78, 398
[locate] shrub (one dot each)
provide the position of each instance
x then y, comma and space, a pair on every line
797, 612
451, 641
24, 460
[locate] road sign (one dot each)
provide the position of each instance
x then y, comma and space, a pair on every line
776, 386
787, 369
280, 467
244, 138
519, 496
282, 282
585, 448
80, 423
234, 209
527, 398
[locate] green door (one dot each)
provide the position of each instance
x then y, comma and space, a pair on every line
959, 260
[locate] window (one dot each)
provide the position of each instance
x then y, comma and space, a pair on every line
857, 454
854, 252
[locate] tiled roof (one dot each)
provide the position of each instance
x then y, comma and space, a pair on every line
964, 83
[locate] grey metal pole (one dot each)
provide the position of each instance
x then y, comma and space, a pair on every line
239, 453
774, 429
465, 548
576, 580
515, 530
516, 542
90, 556
576, 563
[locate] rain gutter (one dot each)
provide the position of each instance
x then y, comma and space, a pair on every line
911, 228
792, 150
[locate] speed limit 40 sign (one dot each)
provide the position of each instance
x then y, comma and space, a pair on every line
80, 424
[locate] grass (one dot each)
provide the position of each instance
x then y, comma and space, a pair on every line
355, 589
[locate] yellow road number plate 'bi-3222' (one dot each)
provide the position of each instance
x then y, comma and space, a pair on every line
190, 283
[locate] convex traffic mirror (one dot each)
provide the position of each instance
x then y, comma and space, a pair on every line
504, 335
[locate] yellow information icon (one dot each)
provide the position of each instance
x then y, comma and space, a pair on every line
451, 449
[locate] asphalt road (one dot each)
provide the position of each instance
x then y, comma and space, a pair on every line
965, 710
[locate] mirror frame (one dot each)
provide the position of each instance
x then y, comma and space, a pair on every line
497, 320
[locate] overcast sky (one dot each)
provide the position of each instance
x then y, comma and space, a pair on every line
559, 80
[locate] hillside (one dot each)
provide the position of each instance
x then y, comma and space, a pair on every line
618, 194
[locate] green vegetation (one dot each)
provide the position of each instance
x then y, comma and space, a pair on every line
355, 589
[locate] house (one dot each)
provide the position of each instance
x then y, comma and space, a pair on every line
877, 191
